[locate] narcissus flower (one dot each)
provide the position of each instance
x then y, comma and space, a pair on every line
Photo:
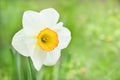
41, 37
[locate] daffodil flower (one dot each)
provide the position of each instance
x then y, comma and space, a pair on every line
41, 37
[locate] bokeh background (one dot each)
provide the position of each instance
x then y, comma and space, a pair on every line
94, 51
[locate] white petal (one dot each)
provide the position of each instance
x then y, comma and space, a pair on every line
49, 16
19, 43
64, 36
52, 57
38, 58
31, 44
31, 19
33, 22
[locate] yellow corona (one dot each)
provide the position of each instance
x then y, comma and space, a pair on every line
47, 39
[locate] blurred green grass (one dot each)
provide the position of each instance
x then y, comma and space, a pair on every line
93, 54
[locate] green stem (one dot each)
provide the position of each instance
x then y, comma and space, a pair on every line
18, 63
18, 66
38, 76
29, 70
48, 73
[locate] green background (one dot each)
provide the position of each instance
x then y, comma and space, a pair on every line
94, 51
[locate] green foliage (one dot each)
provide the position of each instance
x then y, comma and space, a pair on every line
94, 51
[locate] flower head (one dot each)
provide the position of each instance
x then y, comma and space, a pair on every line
41, 37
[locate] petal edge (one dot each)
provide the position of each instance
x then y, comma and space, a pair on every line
18, 42
52, 57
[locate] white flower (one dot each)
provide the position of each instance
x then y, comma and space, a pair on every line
41, 37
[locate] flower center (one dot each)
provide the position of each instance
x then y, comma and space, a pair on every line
47, 39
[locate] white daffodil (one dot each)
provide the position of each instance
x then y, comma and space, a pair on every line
41, 37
